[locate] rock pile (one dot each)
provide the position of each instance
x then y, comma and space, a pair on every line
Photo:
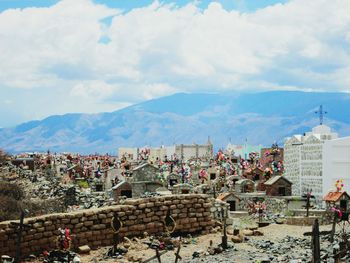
292, 249
289, 248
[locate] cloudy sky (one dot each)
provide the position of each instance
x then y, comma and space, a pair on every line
102, 55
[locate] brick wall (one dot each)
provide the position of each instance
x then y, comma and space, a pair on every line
92, 227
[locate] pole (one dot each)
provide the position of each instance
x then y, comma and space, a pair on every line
158, 255
224, 237
19, 237
177, 256
316, 242
115, 242
333, 227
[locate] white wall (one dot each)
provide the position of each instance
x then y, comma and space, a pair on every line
336, 163
305, 159
128, 150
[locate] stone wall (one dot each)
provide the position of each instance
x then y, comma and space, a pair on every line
92, 227
301, 220
273, 204
219, 207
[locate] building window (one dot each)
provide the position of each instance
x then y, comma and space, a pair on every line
344, 205
173, 182
232, 205
126, 193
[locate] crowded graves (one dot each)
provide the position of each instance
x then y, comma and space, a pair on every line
239, 194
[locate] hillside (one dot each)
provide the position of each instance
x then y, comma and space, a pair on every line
183, 118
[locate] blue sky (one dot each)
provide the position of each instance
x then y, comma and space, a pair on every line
127, 5
90, 56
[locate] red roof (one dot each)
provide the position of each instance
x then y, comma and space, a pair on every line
334, 196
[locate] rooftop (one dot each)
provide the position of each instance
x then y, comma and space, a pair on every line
334, 196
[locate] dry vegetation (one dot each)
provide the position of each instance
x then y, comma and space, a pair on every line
11, 197
13, 201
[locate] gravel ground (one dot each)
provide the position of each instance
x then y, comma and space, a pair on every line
288, 242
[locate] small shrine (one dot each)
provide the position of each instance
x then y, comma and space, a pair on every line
339, 198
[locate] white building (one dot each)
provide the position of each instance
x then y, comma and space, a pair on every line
162, 152
303, 160
182, 151
336, 163
194, 151
128, 153
243, 150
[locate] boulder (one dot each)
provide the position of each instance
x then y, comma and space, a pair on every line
258, 233
248, 232
84, 249
236, 239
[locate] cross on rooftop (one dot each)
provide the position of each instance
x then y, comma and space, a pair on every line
321, 113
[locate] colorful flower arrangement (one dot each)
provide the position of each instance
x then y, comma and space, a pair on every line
339, 185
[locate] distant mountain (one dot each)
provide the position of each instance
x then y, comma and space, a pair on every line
259, 118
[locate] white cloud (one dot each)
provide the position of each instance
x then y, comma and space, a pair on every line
95, 89
151, 91
161, 49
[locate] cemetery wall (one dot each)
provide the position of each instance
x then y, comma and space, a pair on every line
273, 204
93, 227
219, 208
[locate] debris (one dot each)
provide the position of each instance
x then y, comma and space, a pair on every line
236, 239
84, 249
134, 258
258, 233
62, 256
6, 259
247, 232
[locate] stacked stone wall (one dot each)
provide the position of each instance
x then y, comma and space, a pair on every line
273, 204
218, 208
93, 227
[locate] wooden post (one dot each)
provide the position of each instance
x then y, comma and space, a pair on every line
224, 236
19, 237
177, 256
307, 205
333, 226
158, 255
116, 225
308, 197
316, 243
115, 242
260, 212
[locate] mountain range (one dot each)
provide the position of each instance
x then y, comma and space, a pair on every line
255, 118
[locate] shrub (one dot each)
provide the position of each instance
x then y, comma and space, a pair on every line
289, 213
11, 190
9, 208
12, 202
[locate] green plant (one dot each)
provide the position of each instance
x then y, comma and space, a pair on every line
83, 184
289, 213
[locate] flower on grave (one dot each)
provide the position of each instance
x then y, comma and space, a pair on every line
339, 185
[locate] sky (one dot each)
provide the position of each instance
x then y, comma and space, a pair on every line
102, 55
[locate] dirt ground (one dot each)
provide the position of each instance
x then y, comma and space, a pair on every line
240, 253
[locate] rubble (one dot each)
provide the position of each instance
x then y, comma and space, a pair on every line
6, 259
84, 249
62, 256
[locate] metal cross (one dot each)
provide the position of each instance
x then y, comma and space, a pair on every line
321, 113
